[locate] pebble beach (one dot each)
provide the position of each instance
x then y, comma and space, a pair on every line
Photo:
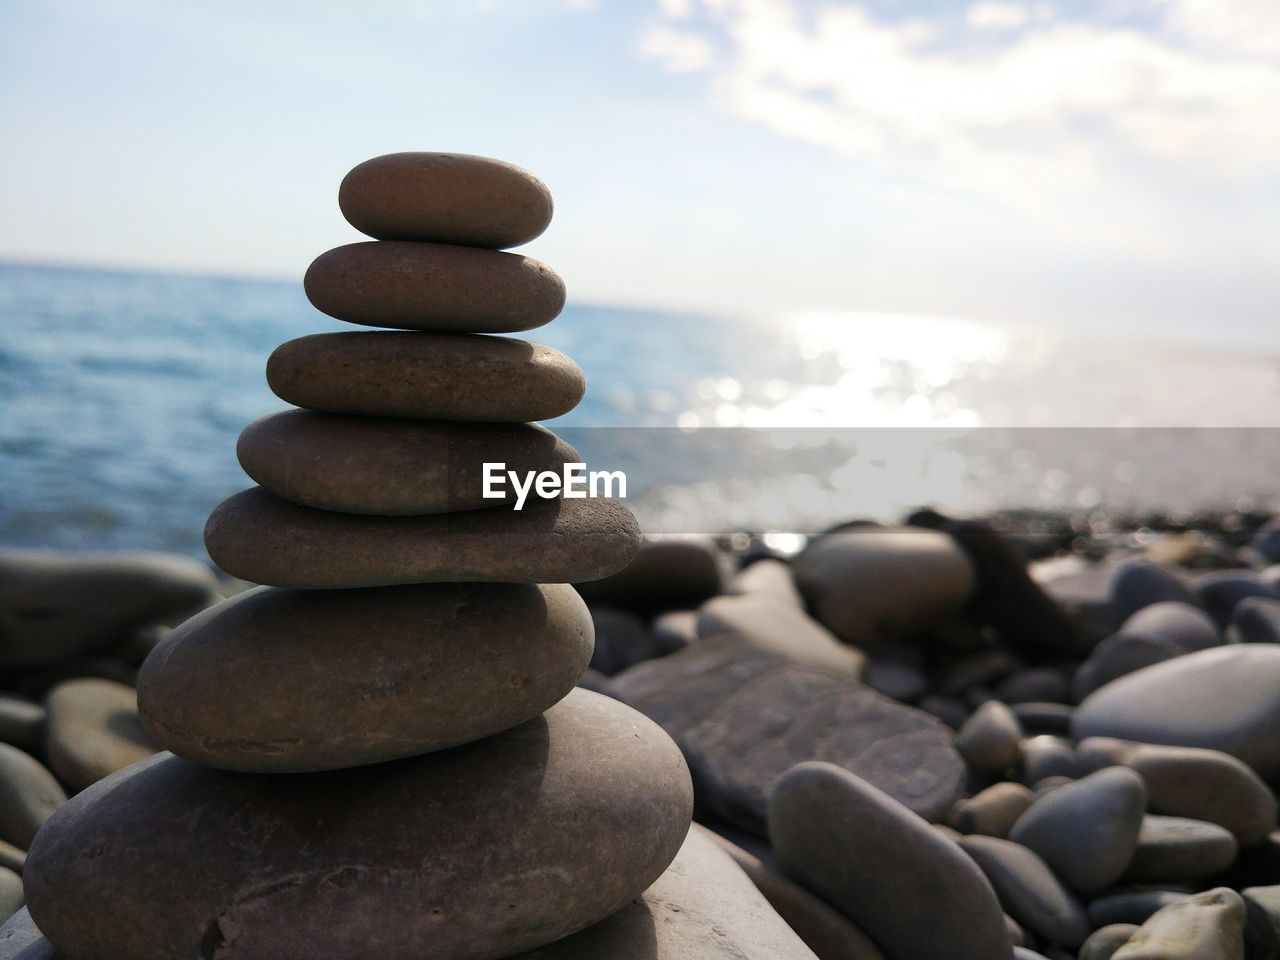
392, 720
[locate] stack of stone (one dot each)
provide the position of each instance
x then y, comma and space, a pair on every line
383, 752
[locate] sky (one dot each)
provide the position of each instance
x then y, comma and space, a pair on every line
1100, 163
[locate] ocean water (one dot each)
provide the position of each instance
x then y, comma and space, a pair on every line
121, 395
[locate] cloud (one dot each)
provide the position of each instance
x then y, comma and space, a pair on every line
1096, 127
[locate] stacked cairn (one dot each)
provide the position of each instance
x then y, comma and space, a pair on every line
382, 754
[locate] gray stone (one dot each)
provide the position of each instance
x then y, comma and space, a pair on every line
1225, 698
434, 287
1195, 783
1132, 906
263, 538
622, 640
1186, 626
702, 908
994, 811
1047, 756
1138, 583
777, 626
1029, 891
990, 739
21, 722
1262, 916
1034, 685
769, 576
879, 583
672, 573
1208, 926
1118, 656
675, 630
21, 939
896, 676
1087, 830
826, 931
1257, 620
1105, 941
12, 857
289, 681
445, 198
1038, 719
498, 846
1175, 848
56, 607
94, 730
1222, 590
11, 899
744, 717
426, 376
390, 466
1267, 540
28, 796
923, 899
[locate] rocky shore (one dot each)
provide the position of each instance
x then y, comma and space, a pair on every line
439, 728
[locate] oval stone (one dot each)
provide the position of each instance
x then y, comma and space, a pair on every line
390, 467
260, 537
433, 286
445, 198
484, 850
915, 893
94, 730
1224, 698
347, 677
427, 376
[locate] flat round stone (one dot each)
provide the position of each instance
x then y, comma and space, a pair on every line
342, 678
427, 376
93, 730
262, 538
484, 850
445, 198
389, 467
433, 286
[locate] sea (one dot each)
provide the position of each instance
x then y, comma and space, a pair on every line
122, 393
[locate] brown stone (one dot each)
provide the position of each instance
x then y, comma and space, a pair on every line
484, 850
260, 537
428, 376
433, 286
445, 198
284, 681
94, 730
29, 793
387, 466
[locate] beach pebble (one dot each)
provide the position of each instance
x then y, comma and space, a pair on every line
494, 847
896, 675
28, 796
1038, 719
21, 722
949, 710
1139, 583
1224, 698
767, 575
21, 939
1221, 591
1262, 917
389, 466
877, 583
445, 198
427, 376
260, 537
971, 674
1118, 656
989, 741
674, 573
1046, 756
674, 630
11, 898
1131, 906
1175, 848
1087, 830
777, 626
12, 857
93, 730
994, 811
433, 287
1105, 941
1208, 926
1034, 685
55, 607
1186, 626
342, 678
622, 640
1028, 890
924, 899
1257, 620
743, 717
1196, 783
826, 931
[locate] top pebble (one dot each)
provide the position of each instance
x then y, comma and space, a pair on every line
445, 198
